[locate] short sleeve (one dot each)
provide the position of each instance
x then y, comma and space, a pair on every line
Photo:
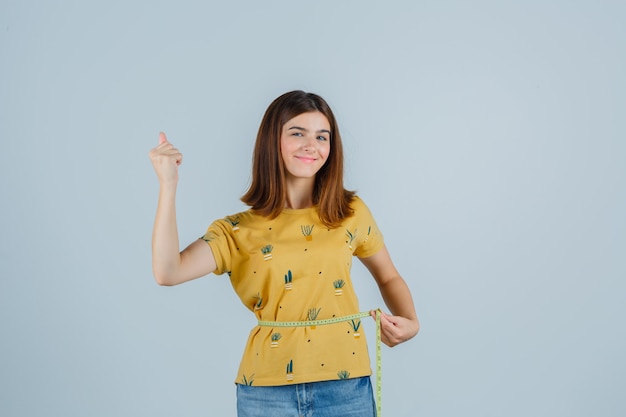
369, 237
221, 243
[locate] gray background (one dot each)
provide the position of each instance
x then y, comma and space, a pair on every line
487, 137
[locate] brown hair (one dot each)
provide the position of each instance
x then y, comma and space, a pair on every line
267, 192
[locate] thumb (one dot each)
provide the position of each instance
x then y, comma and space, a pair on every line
162, 138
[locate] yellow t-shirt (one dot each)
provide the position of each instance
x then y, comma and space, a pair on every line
293, 268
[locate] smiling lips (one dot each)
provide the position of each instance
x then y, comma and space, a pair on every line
306, 159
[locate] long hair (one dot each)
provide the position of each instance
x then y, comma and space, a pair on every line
267, 193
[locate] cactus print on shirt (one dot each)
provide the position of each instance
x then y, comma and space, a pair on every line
293, 268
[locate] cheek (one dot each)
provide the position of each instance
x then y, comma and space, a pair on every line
283, 149
325, 151
287, 146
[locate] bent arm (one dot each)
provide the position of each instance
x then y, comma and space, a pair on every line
403, 324
169, 266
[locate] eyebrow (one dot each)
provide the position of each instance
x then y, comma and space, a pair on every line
305, 130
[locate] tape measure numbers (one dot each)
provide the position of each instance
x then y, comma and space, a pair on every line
321, 322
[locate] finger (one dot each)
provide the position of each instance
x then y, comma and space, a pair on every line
173, 154
162, 138
388, 319
387, 338
384, 317
390, 338
390, 330
388, 327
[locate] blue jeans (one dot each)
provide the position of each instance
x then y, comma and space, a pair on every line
338, 398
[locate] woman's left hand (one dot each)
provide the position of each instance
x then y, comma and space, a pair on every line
395, 329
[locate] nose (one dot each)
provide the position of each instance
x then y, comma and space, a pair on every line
309, 143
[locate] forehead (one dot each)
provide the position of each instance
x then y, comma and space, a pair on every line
310, 120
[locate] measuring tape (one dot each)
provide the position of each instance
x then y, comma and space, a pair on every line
379, 370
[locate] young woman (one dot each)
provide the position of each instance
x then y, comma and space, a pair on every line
288, 258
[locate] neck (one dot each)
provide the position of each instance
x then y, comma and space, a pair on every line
299, 194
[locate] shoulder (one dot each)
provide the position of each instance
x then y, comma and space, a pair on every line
239, 218
233, 222
357, 205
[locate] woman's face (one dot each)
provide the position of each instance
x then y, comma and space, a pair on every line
305, 144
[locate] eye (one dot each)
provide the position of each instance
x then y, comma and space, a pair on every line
296, 134
324, 138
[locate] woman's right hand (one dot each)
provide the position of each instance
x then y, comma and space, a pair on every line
165, 161
169, 265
